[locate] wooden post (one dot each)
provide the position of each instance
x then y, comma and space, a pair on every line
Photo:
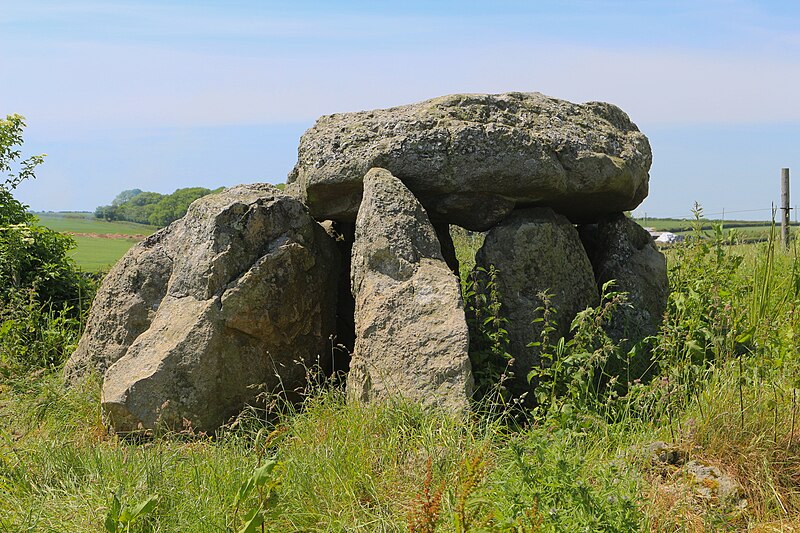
785, 207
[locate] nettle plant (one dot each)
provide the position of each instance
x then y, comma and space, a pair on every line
573, 374
489, 341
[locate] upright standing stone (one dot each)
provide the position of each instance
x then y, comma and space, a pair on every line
411, 334
621, 250
536, 251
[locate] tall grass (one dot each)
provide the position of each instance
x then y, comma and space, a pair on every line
725, 393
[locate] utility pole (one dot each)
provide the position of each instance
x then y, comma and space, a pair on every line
785, 207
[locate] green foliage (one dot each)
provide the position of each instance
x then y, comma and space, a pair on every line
132, 206
489, 343
31, 256
701, 326
264, 482
42, 294
10, 154
151, 208
466, 243
127, 196
174, 206
120, 518
35, 334
574, 373
555, 488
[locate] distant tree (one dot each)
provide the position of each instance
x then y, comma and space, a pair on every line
146, 207
146, 198
126, 196
174, 206
106, 212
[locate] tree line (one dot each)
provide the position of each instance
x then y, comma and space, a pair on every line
144, 207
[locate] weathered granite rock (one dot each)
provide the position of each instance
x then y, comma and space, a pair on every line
535, 251
712, 483
471, 158
620, 249
248, 299
123, 308
411, 334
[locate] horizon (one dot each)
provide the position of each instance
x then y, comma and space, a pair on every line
166, 95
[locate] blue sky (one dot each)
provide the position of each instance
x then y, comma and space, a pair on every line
169, 94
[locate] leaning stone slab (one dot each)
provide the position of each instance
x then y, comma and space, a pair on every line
411, 333
248, 300
472, 158
536, 251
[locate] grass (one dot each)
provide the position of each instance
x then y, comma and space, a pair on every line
95, 254
341, 467
726, 394
64, 469
79, 222
99, 243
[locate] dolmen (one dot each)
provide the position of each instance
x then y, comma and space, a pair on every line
352, 267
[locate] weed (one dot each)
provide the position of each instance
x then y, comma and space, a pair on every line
120, 518
471, 475
427, 506
489, 342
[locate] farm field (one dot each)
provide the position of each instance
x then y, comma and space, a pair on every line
736, 231
100, 243
94, 254
79, 222
685, 225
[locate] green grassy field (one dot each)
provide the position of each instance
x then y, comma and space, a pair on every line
676, 225
78, 222
100, 243
96, 253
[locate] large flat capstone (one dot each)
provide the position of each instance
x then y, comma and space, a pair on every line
472, 158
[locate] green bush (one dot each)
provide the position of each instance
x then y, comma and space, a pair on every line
40, 286
34, 334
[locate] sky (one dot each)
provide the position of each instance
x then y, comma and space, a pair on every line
159, 95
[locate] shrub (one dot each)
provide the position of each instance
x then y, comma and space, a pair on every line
40, 286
